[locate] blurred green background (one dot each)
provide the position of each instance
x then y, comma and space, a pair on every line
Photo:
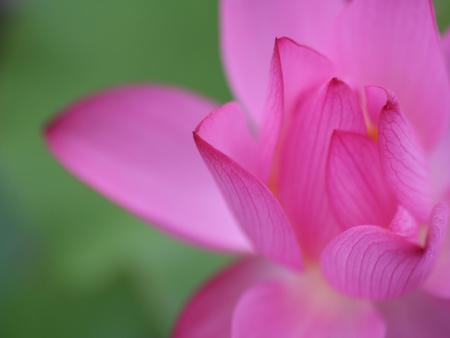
71, 263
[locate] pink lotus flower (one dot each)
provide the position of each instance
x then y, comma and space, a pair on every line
335, 177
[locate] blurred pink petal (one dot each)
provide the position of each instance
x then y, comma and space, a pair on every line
371, 262
417, 315
446, 48
303, 308
257, 210
355, 182
396, 45
134, 145
248, 32
208, 314
303, 161
403, 161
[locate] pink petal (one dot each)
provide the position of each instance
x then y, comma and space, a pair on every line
355, 183
295, 70
439, 281
404, 224
372, 262
249, 29
134, 145
302, 308
396, 45
439, 165
254, 206
403, 161
304, 156
417, 316
375, 100
208, 314
228, 129
446, 48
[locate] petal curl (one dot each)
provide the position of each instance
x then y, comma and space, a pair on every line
253, 204
295, 71
134, 145
248, 31
403, 161
396, 45
371, 262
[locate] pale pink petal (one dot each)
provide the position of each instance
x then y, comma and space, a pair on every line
248, 32
403, 161
295, 70
372, 262
304, 156
396, 45
303, 308
253, 204
208, 314
356, 188
417, 315
134, 145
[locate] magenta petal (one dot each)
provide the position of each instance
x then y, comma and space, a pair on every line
295, 71
355, 182
253, 204
375, 98
208, 314
371, 262
403, 161
304, 156
416, 316
248, 31
228, 130
134, 145
303, 309
298, 69
396, 45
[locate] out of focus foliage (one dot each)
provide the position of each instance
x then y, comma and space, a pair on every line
71, 263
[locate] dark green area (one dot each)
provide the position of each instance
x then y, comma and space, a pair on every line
71, 263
